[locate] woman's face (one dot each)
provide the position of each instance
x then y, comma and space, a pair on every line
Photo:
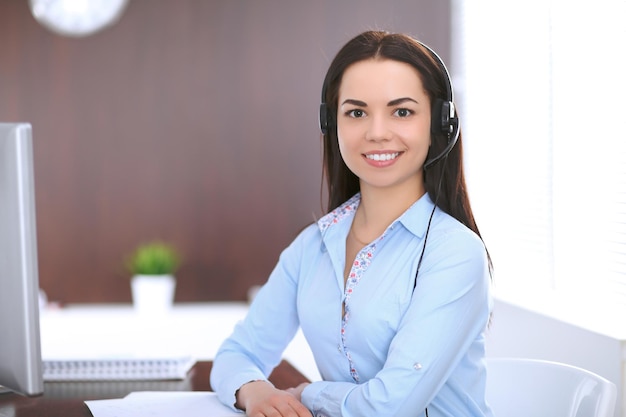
383, 123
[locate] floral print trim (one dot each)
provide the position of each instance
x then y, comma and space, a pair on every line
347, 209
359, 266
361, 263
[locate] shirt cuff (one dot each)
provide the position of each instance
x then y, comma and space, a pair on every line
326, 398
232, 385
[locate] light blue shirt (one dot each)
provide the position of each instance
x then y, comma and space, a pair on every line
398, 349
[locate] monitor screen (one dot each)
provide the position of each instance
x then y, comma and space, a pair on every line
20, 346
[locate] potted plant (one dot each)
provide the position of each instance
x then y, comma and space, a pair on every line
152, 266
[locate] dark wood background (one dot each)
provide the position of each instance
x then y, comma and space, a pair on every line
191, 121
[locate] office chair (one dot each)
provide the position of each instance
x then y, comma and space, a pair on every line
520, 387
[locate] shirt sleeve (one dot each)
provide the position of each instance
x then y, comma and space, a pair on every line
448, 312
256, 345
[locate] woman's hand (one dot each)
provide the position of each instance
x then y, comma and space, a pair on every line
260, 399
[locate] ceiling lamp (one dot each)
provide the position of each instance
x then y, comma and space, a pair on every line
77, 18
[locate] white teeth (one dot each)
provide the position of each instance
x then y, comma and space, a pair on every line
383, 157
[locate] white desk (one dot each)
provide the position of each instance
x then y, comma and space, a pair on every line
82, 331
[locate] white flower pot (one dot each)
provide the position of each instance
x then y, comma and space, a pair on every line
153, 294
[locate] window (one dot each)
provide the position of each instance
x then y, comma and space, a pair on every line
541, 87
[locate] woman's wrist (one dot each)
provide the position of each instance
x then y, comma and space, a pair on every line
249, 388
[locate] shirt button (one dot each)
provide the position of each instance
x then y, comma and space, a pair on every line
339, 349
417, 366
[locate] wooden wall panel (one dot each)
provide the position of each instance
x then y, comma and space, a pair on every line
193, 121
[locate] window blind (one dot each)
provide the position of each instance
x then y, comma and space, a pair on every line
542, 95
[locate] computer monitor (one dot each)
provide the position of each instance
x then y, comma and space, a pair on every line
20, 346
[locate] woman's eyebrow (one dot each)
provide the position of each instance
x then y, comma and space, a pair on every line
400, 101
390, 104
354, 102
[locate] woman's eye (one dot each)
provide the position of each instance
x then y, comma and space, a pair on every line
356, 113
403, 112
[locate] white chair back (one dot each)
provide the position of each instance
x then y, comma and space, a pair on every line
520, 387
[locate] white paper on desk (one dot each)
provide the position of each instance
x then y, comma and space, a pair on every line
162, 404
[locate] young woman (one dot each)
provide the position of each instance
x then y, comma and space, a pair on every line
391, 286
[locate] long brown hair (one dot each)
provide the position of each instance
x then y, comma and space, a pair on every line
343, 183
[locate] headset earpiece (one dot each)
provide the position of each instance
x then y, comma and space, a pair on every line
323, 118
444, 121
447, 114
441, 117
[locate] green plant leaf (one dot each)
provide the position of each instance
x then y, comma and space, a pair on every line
154, 258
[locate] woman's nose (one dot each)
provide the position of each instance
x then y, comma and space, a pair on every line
378, 129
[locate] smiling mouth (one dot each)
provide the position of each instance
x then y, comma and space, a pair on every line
382, 156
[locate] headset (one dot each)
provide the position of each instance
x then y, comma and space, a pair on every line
443, 119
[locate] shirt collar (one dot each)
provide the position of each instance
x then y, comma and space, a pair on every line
414, 219
345, 210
